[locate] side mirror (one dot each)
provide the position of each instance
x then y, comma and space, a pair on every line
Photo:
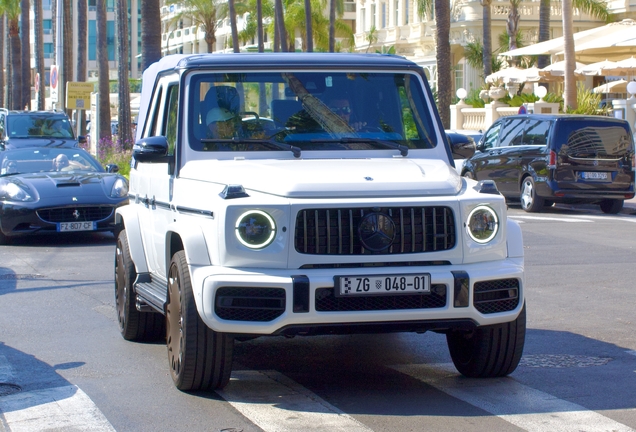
462, 146
112, 168
151, 149
81, 139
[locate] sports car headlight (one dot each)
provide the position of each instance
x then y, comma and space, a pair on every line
13, 192
255, 229
119, 189
483, 224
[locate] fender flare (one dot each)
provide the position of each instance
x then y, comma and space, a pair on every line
193, 241
514, 239
127, 217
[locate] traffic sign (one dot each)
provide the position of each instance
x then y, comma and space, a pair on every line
53, 80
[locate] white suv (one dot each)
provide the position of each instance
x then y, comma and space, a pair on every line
303, 194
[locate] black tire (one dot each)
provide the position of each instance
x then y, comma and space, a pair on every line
3, 239
133, 325
199, 358
489, 351
530, 202
611, 206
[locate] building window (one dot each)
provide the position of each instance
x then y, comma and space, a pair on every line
110, 39
46, 4
383, 16
92, 5
406, 12
48, 51
397, 13
458, 72
110, 5
46, 26
92, 40
373, 15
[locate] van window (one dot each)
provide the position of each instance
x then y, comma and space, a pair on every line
536, 132
596, 139
492, 135
512, 132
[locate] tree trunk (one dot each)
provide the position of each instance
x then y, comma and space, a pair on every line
280, 24
544, 31
80, 74
16, 65
259, 26
69, 47
25, 41
123, 113
235, 40
487, 34
309, 34
569, 96
2, 57
103, 112
150, 32
443, 56
332, 25
39, 54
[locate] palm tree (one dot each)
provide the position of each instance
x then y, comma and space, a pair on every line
103, 111
544, 30
80, 73
39, 52
512, 25
443, 57
67, 50
150, 32
372, 36
569, 94
280, 25
259, 26
123, 111
203, 14
2, 76
235, 40
11, 9
332, 25
309, 38
254, 24
25, 34
295, 21
487, 35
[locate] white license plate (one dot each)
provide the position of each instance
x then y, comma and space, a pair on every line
594, 175
76, 226
347, 286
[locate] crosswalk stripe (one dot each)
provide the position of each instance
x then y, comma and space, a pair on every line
59, 408
276, 403
523, 406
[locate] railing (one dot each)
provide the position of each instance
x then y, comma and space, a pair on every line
464, 116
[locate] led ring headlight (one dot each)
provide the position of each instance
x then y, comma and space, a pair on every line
255, 229
483, 224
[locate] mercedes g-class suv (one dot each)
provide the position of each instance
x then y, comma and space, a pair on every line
308, 194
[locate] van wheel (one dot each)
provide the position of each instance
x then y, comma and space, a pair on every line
133, 324
610, 206
199, 358
489, 351
530, 202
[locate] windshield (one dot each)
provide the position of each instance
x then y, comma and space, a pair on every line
308, 111
38, 126
46, 160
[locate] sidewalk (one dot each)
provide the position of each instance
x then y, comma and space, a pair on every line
629, 206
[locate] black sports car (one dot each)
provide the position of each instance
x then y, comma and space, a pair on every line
57, 190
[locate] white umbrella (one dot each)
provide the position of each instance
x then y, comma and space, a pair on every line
613, 41
513, 75
623, 67
600, 68
618, 86
557, 70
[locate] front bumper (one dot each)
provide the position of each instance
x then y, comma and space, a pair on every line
257, 302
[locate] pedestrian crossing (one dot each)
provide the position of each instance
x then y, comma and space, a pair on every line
276, 403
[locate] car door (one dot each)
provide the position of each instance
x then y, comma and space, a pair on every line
155, 190
498, 159
533, 152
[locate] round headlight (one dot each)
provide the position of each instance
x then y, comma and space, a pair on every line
255, 229
483, 224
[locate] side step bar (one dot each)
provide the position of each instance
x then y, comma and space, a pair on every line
151, 293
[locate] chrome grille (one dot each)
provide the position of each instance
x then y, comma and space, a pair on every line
75, 214
335, 231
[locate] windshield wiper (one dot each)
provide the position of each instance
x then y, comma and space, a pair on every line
404, 150
264, 142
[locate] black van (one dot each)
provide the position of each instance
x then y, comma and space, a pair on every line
540, 159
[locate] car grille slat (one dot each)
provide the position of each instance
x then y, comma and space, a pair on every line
335, 231
75, 214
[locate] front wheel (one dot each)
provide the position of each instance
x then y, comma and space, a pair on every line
199, 357
611, 206
489, 351
530, 202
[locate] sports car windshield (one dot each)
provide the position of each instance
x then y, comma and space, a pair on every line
300, 111
38, 126
45, 160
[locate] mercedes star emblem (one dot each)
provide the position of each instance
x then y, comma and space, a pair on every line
376, 231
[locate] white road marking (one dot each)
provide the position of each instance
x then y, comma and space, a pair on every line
276, 403
58, 408
523, 406
548, 218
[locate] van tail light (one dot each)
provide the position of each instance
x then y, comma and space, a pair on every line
633, 161
552, 163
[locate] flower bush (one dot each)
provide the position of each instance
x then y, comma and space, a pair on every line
109, 152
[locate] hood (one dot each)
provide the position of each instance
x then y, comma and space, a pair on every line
342, 178
58, 187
